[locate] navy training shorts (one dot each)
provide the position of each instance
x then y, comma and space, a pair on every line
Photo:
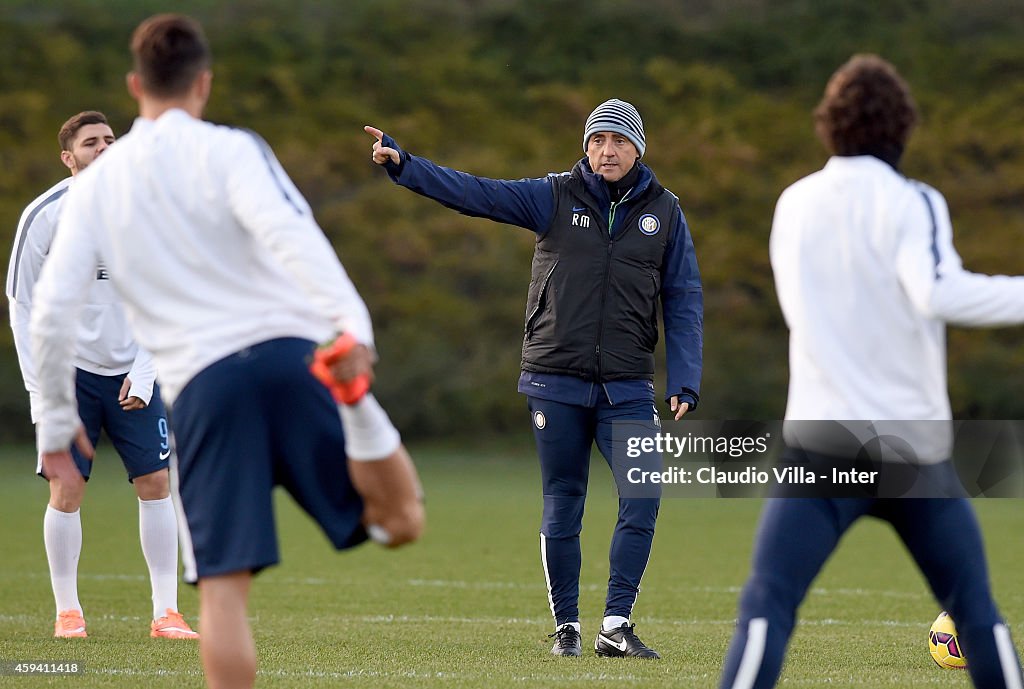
245, 424
140, 436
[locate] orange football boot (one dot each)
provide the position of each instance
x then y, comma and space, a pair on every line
172, 626
70, 624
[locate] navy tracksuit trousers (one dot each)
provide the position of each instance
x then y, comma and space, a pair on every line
565, 434
797, 535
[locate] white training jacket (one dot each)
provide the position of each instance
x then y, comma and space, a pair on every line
867, 278
209, 244
104, 343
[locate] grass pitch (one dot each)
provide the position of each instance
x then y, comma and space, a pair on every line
467, 607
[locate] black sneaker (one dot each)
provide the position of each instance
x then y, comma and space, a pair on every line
567, 642
622, 643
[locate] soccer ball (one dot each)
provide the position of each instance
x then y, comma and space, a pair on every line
944, 645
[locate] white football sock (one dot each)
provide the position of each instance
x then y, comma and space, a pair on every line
369, 433
613, 622
158, 533
574, 625
62, 535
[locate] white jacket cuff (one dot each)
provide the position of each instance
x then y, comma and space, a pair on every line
142, 375
57, 429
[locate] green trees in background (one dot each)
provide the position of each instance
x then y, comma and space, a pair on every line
502, 89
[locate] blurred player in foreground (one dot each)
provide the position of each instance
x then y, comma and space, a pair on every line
867, 278
116, 391
229, 282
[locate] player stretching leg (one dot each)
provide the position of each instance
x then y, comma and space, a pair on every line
240, 283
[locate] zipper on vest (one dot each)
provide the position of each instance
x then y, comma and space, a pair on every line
607, 278
611, 210
604, 298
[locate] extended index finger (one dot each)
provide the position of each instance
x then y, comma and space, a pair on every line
374, 132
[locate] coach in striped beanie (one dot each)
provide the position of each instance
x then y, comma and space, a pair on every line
645, 253
616, 116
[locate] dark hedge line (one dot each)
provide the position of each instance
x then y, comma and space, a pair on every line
502, 89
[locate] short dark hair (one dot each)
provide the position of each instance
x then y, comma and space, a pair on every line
169, 51
69, 130
867, 107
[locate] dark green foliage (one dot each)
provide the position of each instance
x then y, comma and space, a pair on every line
502, 89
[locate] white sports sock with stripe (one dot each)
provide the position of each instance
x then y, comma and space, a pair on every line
158, 533
62, 535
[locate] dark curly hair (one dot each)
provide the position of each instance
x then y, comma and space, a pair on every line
867, 109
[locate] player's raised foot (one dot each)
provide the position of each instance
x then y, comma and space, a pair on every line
70, 624
622, 642
567, 642
172, 626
